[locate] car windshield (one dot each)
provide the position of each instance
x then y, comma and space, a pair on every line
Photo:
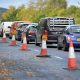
24, 25
75, 29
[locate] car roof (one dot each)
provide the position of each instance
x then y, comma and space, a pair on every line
32, 25
23, 23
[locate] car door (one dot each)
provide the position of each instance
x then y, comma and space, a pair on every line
65, 36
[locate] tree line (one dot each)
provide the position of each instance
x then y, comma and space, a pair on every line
38, 9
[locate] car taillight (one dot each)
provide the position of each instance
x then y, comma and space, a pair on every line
31, 32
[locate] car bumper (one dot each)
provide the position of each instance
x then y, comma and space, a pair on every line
75, 44
30, 38
52, 38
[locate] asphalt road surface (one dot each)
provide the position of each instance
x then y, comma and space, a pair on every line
24, 65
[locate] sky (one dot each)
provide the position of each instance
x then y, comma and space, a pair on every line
73, 2
17, 3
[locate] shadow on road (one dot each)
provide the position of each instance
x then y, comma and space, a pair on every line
77, 50
51, 46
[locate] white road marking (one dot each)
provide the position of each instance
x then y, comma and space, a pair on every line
58, 57
36, 50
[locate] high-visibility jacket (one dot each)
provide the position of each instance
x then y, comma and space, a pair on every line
13, 30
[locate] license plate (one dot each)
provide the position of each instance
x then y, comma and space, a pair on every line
7, 31
29, 35
78, 39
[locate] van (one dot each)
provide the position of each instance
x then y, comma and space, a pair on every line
6, 27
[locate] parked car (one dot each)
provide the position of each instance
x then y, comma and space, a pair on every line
14, 26
70, 32
21, 28
31, 31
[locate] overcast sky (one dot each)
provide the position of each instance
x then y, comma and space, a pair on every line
17, 3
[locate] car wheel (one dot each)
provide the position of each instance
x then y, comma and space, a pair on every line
59, 47
65, 48
27, 42
36, 43
21, 41
10, 37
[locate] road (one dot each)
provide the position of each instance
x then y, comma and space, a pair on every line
24, 65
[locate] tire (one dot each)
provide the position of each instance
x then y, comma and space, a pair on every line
27, 42
58, 47
65, 48
21, 41
10, 37
36, 44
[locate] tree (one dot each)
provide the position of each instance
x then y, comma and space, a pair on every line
9, 14
38, 9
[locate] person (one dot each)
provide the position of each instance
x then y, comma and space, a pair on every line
13, 29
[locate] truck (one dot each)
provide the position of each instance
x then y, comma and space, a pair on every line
53, 26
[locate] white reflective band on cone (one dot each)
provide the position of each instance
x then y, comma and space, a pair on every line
44, 44
4, 35
13, 37
71, 52
24, 40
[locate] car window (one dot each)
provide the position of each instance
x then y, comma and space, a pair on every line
75, 29
24, 25
33, 28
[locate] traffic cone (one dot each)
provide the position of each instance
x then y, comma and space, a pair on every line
13, 42
4, 40
24, 44
43, 52
72, 59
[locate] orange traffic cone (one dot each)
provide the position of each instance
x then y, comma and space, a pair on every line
4, 40
43, 52
13, 42
72, 59
24, 44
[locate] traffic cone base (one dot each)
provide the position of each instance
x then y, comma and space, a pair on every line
72, 63
4, 40
13, 43
43, 53
24, 47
